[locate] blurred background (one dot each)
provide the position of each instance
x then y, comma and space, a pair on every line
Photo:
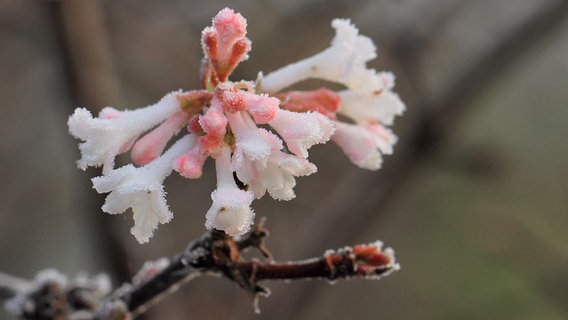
474, 200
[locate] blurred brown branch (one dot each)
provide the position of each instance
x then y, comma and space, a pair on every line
93, 80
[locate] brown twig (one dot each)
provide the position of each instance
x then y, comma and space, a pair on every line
218, 253
214, 253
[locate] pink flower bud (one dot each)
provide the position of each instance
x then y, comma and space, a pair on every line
210, 144
214, 121
233, 100
321, 100
225, 43
190, 164
151, 145
262, 107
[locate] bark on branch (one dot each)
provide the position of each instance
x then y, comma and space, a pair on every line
213, 253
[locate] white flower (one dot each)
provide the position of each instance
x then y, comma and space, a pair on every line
302, 130
113, 131
142, 190
251, 142
231, 210
275, 173
278, 177
248, 168
343, 62
364, 145
379, 107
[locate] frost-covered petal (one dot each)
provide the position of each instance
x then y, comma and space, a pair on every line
379, 107
250, 140
104, 137
302, 130
247, 167
279, 183
279, 178
362, 145
142, 190
343, 62
230, 210
190, 164
149, 211
294, 165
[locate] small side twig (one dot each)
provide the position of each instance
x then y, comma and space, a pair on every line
213, 253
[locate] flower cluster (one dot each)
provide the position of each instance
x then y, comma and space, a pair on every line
258, 132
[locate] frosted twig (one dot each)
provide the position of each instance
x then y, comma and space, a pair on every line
214, 253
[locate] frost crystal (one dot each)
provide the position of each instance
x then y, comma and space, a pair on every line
258, 134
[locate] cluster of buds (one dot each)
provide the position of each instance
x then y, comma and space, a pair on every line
364, 260
257, 132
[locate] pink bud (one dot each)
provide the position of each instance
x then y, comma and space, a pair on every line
230, 24
190, 164
210, 144
210, 43
153, 143
233, 100
321, 100
225, 43
214, 121
262, 107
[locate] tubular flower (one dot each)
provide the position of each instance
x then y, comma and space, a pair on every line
258, 135
142, 190
231, 210
368, 101
113, 131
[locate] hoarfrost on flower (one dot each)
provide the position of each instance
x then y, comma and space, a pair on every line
343, 62
142, 190
363, 146
114, 131
279, 176
371, 108
230, 210
258, 134
301, 131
